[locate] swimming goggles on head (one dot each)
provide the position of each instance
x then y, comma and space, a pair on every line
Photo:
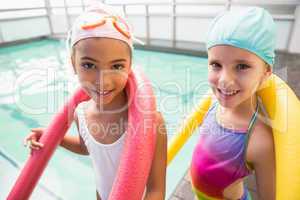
118, 22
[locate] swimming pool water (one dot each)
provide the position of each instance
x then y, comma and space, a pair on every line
36, 80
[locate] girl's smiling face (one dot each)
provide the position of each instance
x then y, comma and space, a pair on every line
235, 74
103, 66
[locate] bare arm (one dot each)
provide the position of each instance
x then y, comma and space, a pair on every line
264, 164
74, 143
157, 177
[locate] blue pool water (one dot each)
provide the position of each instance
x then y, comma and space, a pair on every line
36, 81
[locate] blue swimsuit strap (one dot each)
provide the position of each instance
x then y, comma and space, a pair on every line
250, 167
249, 132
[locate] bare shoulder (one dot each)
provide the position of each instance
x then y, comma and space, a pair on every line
161, 127
84, 109
159, 118
261, 143
157, 177
261, 155
75, 116
160, 122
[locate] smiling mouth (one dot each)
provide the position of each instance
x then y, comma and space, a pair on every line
103, 93
228, 93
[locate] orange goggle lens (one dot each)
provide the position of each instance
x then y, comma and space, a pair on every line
93, 25
117, 22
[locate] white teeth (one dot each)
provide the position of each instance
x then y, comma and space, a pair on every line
229, 93
103, 92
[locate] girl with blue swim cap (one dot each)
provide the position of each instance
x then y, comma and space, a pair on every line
235, 140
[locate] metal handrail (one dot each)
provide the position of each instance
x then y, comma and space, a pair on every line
48, 11
259, 2
67, 14
172, 15
202, 16
21, 18
250, 2
277, 17
210, 3
21, 9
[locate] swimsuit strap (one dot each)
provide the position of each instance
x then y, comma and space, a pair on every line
253, 120
249, 132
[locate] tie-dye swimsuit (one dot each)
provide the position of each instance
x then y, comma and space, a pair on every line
219, 157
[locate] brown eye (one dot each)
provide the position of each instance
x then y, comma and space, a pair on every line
88, 65
242, 67
118, 67
215, 66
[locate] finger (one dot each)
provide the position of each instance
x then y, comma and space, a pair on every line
28, 139
37, 144
34, 147
36, 133
37, 130
25, 142
31, 135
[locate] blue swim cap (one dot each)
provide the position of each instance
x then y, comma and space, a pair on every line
252, 29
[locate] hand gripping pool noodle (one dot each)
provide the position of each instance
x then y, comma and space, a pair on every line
140, 140
38, 160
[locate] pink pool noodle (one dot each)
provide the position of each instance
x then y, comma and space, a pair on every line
137, 155
38, 160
